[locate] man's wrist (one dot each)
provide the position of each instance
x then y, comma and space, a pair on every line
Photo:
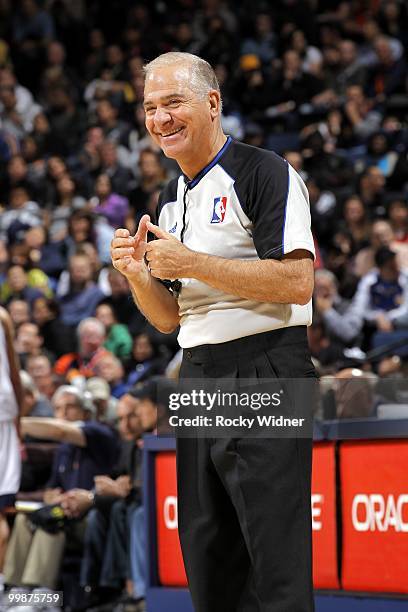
141, 280
196, 264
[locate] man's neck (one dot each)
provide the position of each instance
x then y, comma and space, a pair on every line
192, 167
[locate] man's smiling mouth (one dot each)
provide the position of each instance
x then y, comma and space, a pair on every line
172, 133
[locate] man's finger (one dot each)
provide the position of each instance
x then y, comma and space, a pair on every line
141, 234
122, 233
158, 232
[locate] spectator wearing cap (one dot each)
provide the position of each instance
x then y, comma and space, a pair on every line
382, 294
118, 339
91, 337
104, 403
87, 448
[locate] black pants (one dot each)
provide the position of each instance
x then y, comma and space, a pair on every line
244, 504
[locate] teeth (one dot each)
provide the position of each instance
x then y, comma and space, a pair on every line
171, 133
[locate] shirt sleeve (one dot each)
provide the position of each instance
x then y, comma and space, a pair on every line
101, 443
280, 212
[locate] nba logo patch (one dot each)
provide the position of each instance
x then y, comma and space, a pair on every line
220, 206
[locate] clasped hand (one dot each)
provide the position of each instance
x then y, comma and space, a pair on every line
167, 258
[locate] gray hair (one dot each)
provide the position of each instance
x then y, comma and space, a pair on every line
324, 273
91, 321
201, 78
82, 398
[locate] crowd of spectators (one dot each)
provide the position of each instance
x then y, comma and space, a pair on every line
321, 82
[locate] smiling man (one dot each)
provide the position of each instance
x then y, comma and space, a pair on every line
232, 264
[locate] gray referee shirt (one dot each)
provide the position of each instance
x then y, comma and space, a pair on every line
247, 203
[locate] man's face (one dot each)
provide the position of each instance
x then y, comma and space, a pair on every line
177, 118
91, 339
66, 407
147, 412
128, 422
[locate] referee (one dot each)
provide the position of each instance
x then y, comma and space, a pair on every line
233, 237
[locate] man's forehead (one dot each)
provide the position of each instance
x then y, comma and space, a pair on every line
165, 81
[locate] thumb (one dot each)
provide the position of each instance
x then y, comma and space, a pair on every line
142, 230
158, 232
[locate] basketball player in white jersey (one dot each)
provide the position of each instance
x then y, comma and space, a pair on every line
11, 402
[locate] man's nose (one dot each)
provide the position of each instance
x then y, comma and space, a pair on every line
161, 116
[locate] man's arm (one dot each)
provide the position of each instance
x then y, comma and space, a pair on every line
53, 429
286, 281
151, 297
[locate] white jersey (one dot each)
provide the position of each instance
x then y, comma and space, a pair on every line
8, 402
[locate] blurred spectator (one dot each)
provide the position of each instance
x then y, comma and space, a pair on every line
19, 311
105, 403
145, 360
57, 337
16, 287
82, 364
382, 294
40, 369
118, 340
36, 404
29, 342
381, 235
86, 448
83, 295
110, 368
113, 207
341, 322
22, 214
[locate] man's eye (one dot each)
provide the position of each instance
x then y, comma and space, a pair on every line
174, 102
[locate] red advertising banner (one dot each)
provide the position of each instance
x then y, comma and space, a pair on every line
374, 488
170, 562
324, 523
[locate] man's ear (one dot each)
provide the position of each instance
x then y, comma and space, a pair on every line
214, 100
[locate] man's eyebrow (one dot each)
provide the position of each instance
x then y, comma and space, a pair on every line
164, 98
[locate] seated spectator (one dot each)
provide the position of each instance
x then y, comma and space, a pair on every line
382, 294
398, 213
125, 309
342, 323
326, 352
105, 403
106, 561
356, 222
35, 404
22, 214
29, 342
380, 155
152, 176
145, 360
381, 235
17, 287
353, 394
40, 369
118, 339
57, 337
47, 256
91, 337
113, 207
67, 201
86, 449
351, 72
83, 296
388, 74
19, 311
360, 112
110, 368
